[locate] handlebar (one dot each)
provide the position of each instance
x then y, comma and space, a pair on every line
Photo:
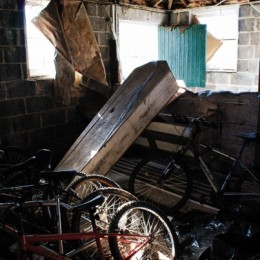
41, 159
199, 121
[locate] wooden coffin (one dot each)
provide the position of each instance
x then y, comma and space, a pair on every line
121, 120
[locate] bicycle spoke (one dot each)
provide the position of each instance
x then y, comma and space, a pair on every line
152, 236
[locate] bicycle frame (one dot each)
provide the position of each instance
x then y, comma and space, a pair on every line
192, 146
30, 242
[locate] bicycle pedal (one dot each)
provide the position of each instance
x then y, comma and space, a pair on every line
15, 248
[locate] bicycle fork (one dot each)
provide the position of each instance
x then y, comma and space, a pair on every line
164, 176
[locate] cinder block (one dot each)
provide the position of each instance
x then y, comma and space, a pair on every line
6, 126
9, 4
20, 88
10, 72
91, 8
53, 117
255, 38
12, 107
246, 24
245, 52
245, 10
26, 122
8, 37
11, 19
244, 38
2, 91
37, 104
242, 78
14, 54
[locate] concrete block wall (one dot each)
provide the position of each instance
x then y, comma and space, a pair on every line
100, 19
247, 75
237, 113
29, 116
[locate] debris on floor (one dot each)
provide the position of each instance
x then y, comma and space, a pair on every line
232, 234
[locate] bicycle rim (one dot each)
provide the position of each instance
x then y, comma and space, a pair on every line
114, 198
138, 219
80, 189
169, 194
247, 185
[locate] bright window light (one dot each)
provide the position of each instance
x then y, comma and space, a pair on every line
222, 23
138, 44
40, 52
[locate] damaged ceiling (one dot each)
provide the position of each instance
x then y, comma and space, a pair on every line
181, 4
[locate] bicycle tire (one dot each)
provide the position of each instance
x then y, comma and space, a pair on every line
114, 198
246, 184
94, 179
14, 155
170, 194
142, 218
80, 188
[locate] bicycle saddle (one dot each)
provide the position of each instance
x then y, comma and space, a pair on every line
58, 175
250, 137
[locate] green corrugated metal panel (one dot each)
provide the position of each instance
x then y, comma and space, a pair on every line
185, 53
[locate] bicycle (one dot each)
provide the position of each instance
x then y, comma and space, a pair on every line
138, 228
26, 172
168, 181
83, 185
12, 155
76, 186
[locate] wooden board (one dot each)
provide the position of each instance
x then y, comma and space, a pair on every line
121, 120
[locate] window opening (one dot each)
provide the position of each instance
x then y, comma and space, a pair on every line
138, 44
40, 52
222, 23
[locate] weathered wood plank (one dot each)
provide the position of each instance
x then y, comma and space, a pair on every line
132, 107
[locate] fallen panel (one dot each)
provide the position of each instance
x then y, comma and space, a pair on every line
121, 120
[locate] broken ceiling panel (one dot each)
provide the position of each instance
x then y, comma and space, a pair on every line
84, 49
182, 4
71, 33
49, 23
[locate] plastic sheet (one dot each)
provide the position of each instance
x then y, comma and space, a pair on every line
231, 234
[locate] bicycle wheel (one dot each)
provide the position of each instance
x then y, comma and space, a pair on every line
251, 189
86, 184
80, 189
14, 155
114, 198
138, 219
169, 194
